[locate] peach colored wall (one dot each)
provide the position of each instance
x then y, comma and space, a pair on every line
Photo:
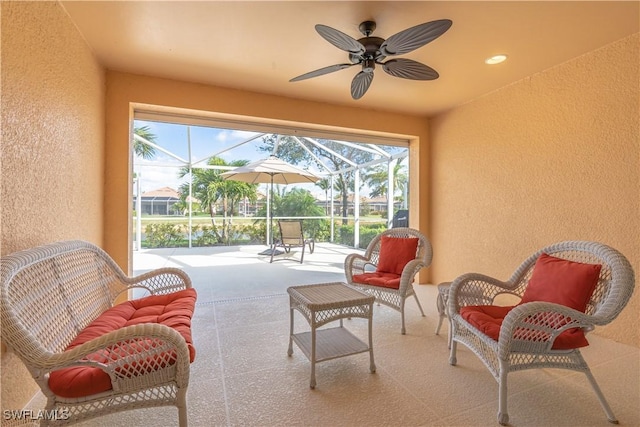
52, 144
123, 90
552, 157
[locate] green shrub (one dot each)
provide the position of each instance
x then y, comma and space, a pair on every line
367, 233
251, 235
318, 229
171, 235
204, 235
163, 235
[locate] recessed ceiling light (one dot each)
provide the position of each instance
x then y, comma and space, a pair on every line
496, 59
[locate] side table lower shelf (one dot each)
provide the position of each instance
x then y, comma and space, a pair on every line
331, 343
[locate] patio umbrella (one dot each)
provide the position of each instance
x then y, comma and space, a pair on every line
269, 171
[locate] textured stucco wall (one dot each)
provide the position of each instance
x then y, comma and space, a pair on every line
123, 90
52, 144
553, 157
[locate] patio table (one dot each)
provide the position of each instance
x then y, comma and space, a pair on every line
321, 304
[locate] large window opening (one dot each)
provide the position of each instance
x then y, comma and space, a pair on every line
181, 199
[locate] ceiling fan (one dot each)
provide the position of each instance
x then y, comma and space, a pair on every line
369, 51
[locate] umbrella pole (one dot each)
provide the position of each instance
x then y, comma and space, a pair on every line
270, 215
272, 247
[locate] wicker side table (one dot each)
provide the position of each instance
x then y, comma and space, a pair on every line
324, 303
441, 304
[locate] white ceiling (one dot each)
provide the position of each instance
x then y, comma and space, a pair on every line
260, 45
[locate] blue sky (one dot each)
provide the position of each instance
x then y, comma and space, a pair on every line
205, 142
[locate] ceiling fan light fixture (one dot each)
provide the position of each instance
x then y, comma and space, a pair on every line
495, 59
368, 65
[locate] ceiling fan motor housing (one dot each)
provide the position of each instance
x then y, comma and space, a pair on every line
372, 50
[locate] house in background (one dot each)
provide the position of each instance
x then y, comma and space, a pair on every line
377, 205
552, 155
163, 201
166, 201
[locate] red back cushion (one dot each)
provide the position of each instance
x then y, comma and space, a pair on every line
395, 253
562, 282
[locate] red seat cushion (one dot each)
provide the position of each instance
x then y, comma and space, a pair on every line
174, 310
562, 282
385, 280
488, 319
395, 253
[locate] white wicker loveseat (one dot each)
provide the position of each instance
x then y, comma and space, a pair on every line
538, 332
89, 357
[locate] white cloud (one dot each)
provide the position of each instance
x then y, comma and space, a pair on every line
152, 176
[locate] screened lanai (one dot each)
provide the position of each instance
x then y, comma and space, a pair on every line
362, 184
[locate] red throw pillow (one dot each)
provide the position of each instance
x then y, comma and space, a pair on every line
562, 281
395, 253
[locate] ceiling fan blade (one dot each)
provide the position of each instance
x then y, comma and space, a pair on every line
340, 39
321, 71
409, 69
414, 37
360, 84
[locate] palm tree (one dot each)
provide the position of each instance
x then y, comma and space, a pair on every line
141, 149
325, 185
209, 187
378, 180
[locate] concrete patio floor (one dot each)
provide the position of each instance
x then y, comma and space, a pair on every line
230, 272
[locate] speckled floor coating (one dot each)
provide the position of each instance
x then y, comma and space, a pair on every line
242, 375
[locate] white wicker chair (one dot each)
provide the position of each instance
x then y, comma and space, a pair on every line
355, 264
529, 330
50, 293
